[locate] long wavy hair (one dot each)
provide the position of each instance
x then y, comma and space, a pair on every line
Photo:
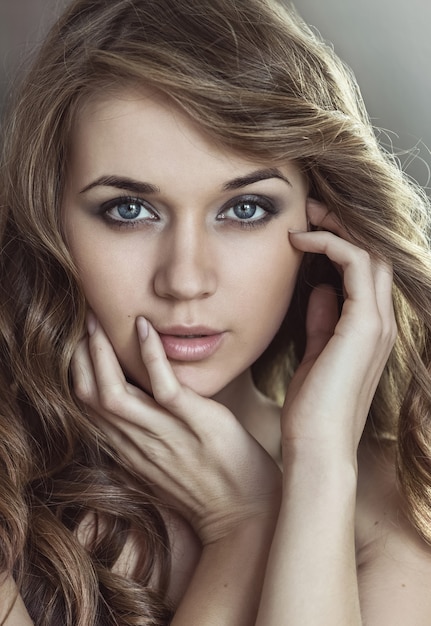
256, 78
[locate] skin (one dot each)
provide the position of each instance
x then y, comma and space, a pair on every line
189, 260
308, 546
197, 265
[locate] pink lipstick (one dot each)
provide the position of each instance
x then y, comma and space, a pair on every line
190, 343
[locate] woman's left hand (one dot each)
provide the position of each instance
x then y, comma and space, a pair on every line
311, 573
330, 395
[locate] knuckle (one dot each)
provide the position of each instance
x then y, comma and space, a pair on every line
391, 331
363, 256
383, 332
168, 395
151, 358
153, 451
373, 326
110, 398
82, 391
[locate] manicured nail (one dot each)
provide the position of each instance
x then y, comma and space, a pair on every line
91, 323
142, 326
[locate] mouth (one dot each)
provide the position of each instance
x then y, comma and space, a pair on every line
183, 345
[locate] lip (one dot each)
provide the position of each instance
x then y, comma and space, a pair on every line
190, 343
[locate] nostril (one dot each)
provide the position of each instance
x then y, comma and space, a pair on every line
184, 281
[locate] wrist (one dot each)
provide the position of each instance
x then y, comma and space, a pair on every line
229, 576
324, 479
320, 460
255, 512
243, 530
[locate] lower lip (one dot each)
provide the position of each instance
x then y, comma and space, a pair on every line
190, 348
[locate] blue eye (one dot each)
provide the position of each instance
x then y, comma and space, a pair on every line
128, 211
248, 211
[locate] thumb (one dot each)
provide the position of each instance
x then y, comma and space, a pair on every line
322, 317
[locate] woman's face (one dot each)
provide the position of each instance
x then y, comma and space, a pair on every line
164, 223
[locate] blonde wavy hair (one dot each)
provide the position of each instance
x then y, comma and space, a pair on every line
256, 78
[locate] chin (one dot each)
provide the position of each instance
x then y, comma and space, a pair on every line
202, 380
203, 384
204, 388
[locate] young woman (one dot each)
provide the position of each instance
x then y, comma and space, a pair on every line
215, 331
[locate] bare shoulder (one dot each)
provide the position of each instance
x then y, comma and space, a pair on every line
394, 563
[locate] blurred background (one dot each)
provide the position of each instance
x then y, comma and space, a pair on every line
386, 42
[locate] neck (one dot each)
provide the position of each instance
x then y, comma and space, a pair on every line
259, 415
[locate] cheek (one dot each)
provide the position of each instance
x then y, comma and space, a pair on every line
276, 273
112, 287
279, 283
114, 302
107, 272
116, 307
264, 293
110, 292
114, 292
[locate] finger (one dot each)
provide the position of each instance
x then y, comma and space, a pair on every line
355, 263
123, 404
111, 396
167, 391
319, 215
322, 317
383, 278
85, 387
108, 373
118, 401
148, 459
81, 367
164, 384
323, 218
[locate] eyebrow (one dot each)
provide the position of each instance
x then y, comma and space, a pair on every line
255, 177
120, 182
138, 187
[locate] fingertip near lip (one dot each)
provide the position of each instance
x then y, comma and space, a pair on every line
142, 327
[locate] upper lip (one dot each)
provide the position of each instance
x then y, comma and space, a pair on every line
181, 330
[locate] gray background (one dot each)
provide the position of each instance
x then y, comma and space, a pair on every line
386, 42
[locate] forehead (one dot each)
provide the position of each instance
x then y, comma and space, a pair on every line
145, 113
139, 132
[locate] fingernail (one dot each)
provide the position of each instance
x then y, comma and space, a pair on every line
91, 323
142, 326
292, 231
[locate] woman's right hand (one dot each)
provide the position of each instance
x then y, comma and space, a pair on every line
191, 449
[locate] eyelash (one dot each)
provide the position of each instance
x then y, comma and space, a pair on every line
259, 202
124, 200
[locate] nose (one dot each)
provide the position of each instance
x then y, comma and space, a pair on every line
186, 269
